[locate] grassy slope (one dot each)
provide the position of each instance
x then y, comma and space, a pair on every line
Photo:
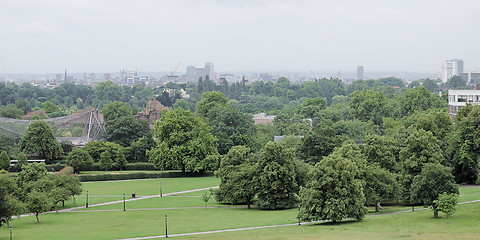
140, 187
111, 225
465, 224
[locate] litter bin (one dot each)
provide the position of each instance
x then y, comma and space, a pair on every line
133, 195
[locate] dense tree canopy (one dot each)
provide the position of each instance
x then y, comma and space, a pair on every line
114, 110
434, 180
319, 143
39, 140
184, 142
368, 106
79, 159
276, 177
126, 130
236, 172
335, 190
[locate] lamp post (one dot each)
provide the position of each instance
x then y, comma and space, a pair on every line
11, 233
124, 202
86, 206
299, 205
166, 227
161, 189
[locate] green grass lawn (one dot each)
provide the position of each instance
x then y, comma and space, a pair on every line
465, 224
163, 202
125, 171
115, 189
113, 225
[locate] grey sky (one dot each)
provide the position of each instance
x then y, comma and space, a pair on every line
41, 36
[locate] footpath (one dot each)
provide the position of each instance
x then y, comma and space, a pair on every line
270, 226
120, 201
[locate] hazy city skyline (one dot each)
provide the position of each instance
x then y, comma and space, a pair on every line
106, 36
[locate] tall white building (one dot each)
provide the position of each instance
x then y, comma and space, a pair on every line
193, 73
451, 68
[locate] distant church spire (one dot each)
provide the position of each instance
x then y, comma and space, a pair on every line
65, 79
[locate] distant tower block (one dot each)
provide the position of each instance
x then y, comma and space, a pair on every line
451, 68
360, 72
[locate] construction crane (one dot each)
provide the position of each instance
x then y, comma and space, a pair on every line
172, 73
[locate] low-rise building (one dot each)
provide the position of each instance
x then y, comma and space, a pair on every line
459, 98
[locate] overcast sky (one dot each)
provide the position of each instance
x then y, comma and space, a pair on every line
40, 36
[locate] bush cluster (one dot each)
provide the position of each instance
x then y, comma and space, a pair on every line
139, 175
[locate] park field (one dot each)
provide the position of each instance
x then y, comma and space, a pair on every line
187, 214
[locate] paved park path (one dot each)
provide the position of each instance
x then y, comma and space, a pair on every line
270, 226
121, 201
138, 198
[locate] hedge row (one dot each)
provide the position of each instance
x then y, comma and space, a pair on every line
139, 175
95, 167
50, 168
129, 166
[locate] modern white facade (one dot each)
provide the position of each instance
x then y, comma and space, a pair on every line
459, 98
451, 68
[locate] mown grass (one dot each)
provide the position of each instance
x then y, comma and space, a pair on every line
118, 224
465, 224
99, 192
117, 172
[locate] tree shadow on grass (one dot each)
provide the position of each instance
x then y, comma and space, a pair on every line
331, 223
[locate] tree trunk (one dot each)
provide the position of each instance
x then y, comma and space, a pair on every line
8, 223
435, 213
248, 205
36, 215
63, 203
183, 169
377, 207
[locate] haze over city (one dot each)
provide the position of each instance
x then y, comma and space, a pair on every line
153, 36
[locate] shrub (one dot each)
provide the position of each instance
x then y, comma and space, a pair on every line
66, 171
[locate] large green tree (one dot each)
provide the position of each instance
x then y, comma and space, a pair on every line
310, 107
335, 190
116, 109
39, 140
434, 180
210, 100
79, 159
39, 202
126, 130
418, 99
464, 146
184, 142
421, 148
236, 173
368, 106
319, 143
96, 148
231, 127
382, 150
380, 186
276, 177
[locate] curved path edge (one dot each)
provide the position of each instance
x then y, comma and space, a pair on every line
270, 226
